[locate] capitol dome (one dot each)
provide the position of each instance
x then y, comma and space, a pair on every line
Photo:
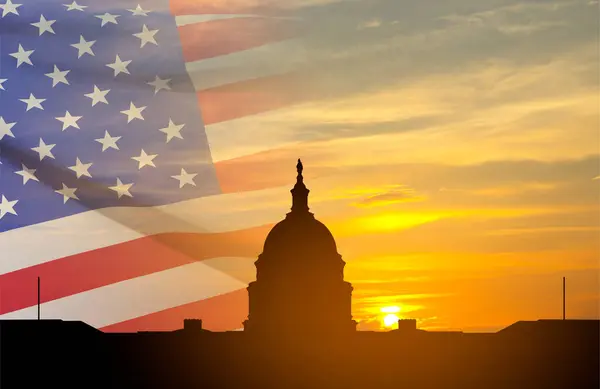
299, 232
285, 236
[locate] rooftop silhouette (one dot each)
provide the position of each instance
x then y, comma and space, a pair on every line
300, 334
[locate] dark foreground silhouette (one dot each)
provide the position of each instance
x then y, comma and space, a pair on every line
300, 334
61, 354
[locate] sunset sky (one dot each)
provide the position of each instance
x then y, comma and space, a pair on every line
451, 146
453, 150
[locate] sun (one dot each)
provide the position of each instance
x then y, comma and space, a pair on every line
391, 318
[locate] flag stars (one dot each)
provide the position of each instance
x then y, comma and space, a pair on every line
44, 150
172, 130
33, 102
5, 128
75, 7
84, 47
22, 56
27, 174
108, 142
67, 193
58, 76
2, 81
146, 36
7, 207
98, 96
185, 178
69, 121
119, 66
121, 189
138, 11
9, 8
81, 169
145, 159
133, 112
44, 25
160, 84
107, 18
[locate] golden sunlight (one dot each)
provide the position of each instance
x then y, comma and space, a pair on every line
391, 318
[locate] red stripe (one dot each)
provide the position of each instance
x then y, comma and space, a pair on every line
254, 96
78, 273
220, 37
195, 7
220, 313
263, 170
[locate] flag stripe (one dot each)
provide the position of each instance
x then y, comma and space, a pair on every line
137, 297
262, 61
251, 97
265, 131
225, 312
184, 20
220, 37
74, 274
195, 7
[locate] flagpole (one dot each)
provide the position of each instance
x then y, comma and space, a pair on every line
38, 297
564, 293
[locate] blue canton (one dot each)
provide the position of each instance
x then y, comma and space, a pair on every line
96, 110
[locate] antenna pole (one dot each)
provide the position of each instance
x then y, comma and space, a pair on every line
38, 296
564, 290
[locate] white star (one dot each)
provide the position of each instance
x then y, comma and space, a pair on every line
146, 36
138, 11
22, 56
5, 128
44, 25
121, 189
7, 207
133, 112
107, 18
98, 96
145, 159
2, 81
67, 193
159, 84
119, 66
108, 141
9, 8
185, 178
32, 102
172, 131
83, 47
69, 121
44, 150
81, 169
58, 76
27, 174
75, 7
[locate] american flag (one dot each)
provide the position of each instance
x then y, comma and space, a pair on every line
125, 146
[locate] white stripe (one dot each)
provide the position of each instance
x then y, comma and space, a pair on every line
192, 19
44, 242
255, 133
136, 297
266, 60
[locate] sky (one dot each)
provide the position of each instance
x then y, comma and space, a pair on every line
452, 147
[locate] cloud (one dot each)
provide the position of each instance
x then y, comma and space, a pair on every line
372, 23
394, 195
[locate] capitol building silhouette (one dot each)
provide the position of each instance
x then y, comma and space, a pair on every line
300, 334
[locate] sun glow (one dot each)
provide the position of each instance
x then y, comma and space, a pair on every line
391, 318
